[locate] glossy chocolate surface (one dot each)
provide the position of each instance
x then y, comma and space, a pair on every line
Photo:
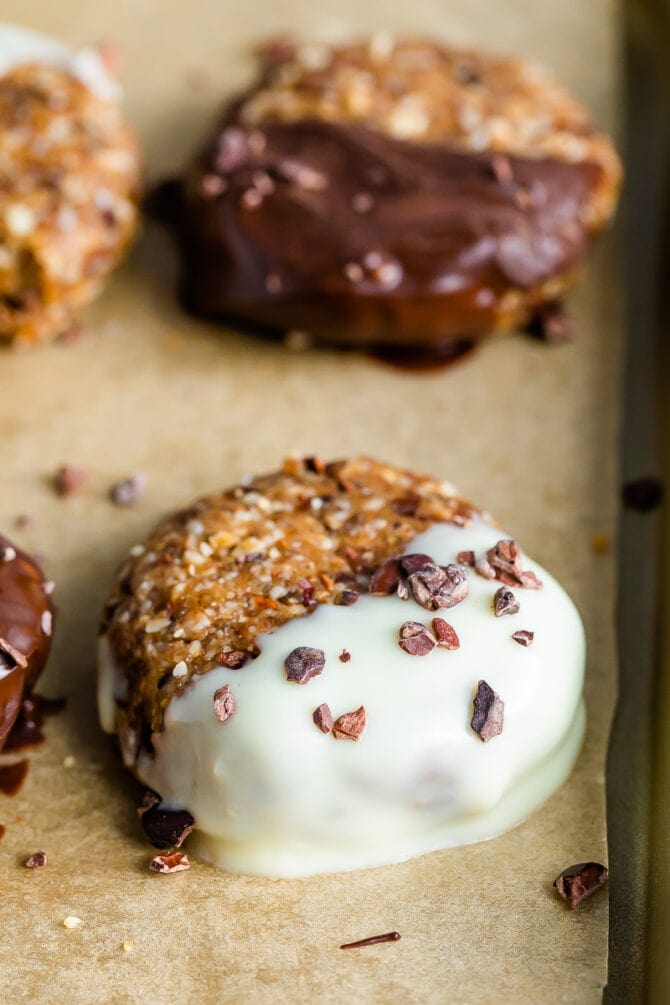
26, 615
356, 237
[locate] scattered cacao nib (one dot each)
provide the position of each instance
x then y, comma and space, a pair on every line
166, 828
307, 592
304, 663
483, 569
232, 150
414, 563
434, 587
578, 882
36, 861
315, 464
445, 634
387, 578
213, 185
362, 202
350, 726
466, 73
504, 602
488, 712
149, 800
505, 560
402, 592
68, 479
415, 639
323, 718
10, 656
551, 324
302, 175
466, 558
501, 169
643, 494
349, 597
344, 656
276, 49
175, 862
233, 658
410, 504
523, 637
373, 940
130, 490
224, 703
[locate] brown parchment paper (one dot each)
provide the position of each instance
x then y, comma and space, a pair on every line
525, 430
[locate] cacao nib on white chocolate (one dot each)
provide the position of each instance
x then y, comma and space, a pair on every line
254, 579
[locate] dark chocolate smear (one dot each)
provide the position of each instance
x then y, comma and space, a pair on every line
27, 730
12, 777
441, 240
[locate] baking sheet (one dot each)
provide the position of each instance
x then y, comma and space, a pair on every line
638, 758
525, 430
640, 812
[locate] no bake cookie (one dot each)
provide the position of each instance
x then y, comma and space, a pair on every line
69, 173
394, 191
313, 672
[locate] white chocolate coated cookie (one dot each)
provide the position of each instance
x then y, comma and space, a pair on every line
273, 795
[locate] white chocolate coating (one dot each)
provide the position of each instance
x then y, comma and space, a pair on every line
274, 796
22, 45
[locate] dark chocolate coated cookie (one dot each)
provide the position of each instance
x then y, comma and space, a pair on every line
392, 192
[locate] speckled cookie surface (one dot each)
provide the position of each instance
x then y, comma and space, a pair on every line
69, 174
212, 578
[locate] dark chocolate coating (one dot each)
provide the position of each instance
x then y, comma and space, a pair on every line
363, 239
24, 645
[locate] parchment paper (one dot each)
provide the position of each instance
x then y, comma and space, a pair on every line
525, 430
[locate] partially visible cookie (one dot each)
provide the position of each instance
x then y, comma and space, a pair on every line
26, 626
69, 176
393, 191
338, 666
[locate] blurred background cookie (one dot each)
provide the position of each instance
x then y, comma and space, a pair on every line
69, 168
395, 191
